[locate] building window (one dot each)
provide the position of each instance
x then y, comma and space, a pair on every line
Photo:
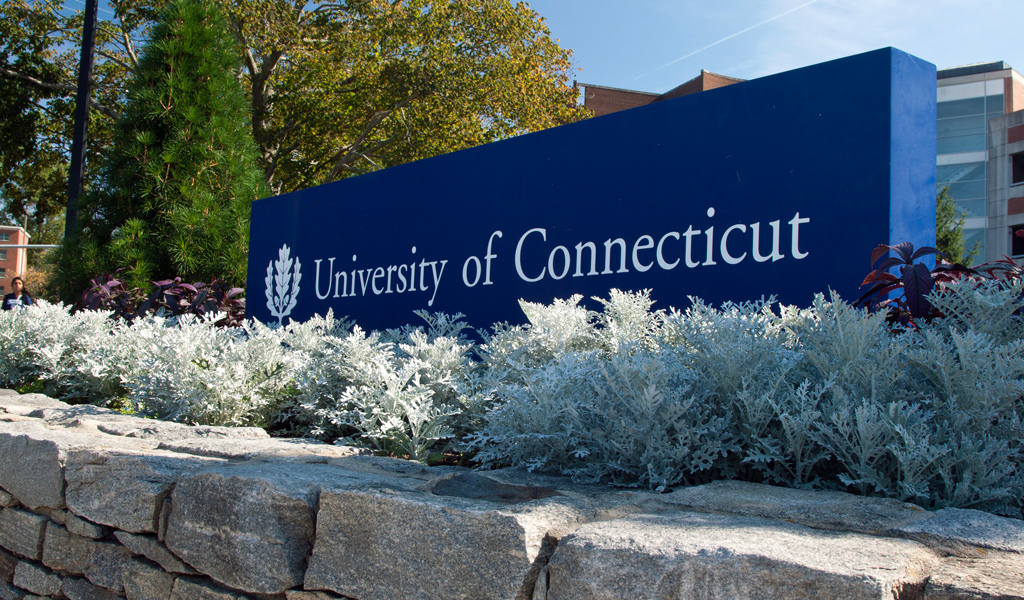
975, 238
961, 108
1018, 168
967, 185
5, 237
3, 273
963, 124
1016, 241
3, 255
961, 143
995, 105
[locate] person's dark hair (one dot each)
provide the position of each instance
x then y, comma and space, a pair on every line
24, 290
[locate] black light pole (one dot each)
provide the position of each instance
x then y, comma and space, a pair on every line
81, 118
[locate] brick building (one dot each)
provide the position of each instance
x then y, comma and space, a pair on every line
1006, 185
974, 102
603, 100
13, 261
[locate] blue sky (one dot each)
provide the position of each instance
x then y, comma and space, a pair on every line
654, 45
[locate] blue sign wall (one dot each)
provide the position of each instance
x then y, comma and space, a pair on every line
781, 185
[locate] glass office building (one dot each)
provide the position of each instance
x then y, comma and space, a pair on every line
968, 97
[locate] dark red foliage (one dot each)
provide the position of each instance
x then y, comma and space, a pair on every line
172, 295
916, 281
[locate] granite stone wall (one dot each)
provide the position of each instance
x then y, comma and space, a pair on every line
95, 505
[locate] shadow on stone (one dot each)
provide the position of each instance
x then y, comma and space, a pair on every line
478, 487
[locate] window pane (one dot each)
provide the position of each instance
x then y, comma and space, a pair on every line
971, 208
1016, 242
963, 143
994, 105
960, 172
961, 108
968, 190
962, 126
3, 255
973, 236
1018, 168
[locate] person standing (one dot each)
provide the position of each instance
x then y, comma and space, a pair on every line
18, 297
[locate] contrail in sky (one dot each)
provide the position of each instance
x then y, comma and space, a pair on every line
98, 8
725, 39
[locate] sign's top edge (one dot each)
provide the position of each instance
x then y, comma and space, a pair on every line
895, 53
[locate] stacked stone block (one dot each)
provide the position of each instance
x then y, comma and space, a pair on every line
95, 505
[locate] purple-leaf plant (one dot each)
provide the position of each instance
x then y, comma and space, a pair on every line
915, 279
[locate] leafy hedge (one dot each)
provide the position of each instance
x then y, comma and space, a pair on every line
824, 397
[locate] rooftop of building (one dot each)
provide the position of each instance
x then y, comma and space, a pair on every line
703, 82
8, 228
614, 89
973, 69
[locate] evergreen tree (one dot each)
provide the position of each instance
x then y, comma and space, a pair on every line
176, 188
949, 229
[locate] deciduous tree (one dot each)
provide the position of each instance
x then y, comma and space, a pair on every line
335, 88
39, 47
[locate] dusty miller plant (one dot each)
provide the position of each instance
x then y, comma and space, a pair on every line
632, 419
409, 392
822, 397
190, 370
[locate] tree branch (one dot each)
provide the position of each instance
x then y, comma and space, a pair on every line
114, 59
129, 46
64, 88
352, 151
349, 152
39, 83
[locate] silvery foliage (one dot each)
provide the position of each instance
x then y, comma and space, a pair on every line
34, 340
187, 369
182, 369
823, 397
626, 417
400, 391
870, 421
421, 390
985, 306
596, 396
327, 351
31, 343
444, 361
743, 357
96, 361
971, 365
73, 356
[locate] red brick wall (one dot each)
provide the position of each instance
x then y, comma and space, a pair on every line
702, 83
602, 101
1014, 95
14, 263
1015, 134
